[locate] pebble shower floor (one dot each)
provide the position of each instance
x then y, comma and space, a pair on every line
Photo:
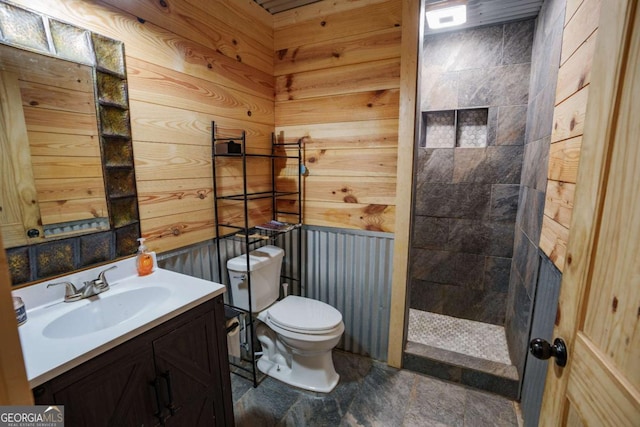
482, 340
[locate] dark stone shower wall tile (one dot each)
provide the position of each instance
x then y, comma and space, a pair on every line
427, 296
530, 160
540, 119
540, 63
501, 239
471, 165
492, 125
530, 277
445, 267
433, 199
481, 237
554, 43
518, 41
520, 251
475, 304
551, 11
517, 328
543, 166
433, 265
469, 235
463, 50
496, 274
547, 46
514, 281
526, 261
468, 270
531, 212
505, 163
430, 232
438, 91
511, 125
470, 201
535, 164
505, 85
435, 165
453, 200
504, 202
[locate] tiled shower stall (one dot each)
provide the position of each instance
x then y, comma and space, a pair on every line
468, 178
486, 101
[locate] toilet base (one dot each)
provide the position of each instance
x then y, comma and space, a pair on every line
309, 373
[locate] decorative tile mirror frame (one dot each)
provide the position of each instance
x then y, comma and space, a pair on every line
35, 32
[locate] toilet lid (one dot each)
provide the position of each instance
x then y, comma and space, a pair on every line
300, 314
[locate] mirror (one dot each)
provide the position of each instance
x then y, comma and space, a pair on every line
68, 195
51, 184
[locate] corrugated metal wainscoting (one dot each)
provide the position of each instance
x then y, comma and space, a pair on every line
348, 269
351, 270
544, 316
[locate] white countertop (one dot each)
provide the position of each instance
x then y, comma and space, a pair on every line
46, 357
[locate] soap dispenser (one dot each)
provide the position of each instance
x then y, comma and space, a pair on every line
144, 260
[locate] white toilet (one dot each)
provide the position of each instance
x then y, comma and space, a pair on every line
297, 334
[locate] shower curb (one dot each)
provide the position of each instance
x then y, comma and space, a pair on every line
471, 371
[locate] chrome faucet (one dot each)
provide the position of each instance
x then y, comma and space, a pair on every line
70, 293
96, 286
90, 288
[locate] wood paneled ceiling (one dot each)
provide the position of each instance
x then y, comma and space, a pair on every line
479, 12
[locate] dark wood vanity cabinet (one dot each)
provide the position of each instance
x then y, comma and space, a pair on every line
176, 374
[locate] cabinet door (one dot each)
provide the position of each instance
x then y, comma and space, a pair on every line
115, 394
187, 362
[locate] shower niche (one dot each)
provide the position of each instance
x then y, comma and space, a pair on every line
464, 128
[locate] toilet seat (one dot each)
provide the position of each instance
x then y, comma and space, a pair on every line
304, 316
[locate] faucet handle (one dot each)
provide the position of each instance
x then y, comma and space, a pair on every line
101, 281
70, 291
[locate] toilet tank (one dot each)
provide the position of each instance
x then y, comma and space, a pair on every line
264, 267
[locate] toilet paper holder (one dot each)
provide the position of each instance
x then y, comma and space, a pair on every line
233, 327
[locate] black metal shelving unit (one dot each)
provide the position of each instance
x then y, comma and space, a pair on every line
246, 233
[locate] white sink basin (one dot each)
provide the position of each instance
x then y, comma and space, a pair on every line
105, 311
59, 336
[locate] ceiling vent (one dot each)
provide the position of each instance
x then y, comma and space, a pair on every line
277, 6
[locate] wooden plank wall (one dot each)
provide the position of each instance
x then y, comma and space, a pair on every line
337, 79
188, 62
572, 93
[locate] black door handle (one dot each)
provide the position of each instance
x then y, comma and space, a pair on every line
541, 349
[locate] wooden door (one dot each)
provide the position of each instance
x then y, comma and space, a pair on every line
599, 309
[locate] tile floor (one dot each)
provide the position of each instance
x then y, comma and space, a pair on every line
482, 340
370, 393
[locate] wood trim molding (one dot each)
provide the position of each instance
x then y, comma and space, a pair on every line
406, 141
14, 387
